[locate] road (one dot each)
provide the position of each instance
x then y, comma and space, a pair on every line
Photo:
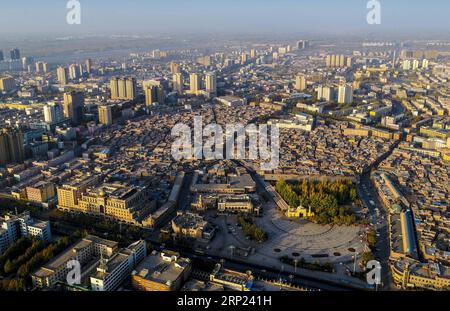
368, 194
378, 217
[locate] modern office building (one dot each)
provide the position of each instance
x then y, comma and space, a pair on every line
73, 107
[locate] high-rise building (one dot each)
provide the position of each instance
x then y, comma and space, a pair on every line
326, 93
345, 95
211, 83
244, 58
336, 61
178, 83
73, 107
74, 71
425, 63
349, 62
253, 53
174, 68
300, 83
7, 84
123, 88
15, 54
130, 85
406, 64
62, 75
415, 64
41, 67
11, 146
195, 83
53, 113
105, 115
153, 94
26, 63
2, 57
89, 66
302, 44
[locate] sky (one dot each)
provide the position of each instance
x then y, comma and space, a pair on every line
223, 16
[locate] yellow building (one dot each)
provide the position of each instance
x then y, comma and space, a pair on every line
41, 192
165, 271
446, 154
195, 83
121, 202
105, 115
299, 212
123, 88
235, 203
178, 83
188, 224
410, 274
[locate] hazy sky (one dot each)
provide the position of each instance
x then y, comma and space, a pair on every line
231, 16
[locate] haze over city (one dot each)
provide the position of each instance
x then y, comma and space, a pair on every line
233, 16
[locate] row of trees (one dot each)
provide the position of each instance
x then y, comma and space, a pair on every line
327, 199
13, 265
252, 230
124, 234
13, 252
25, 256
